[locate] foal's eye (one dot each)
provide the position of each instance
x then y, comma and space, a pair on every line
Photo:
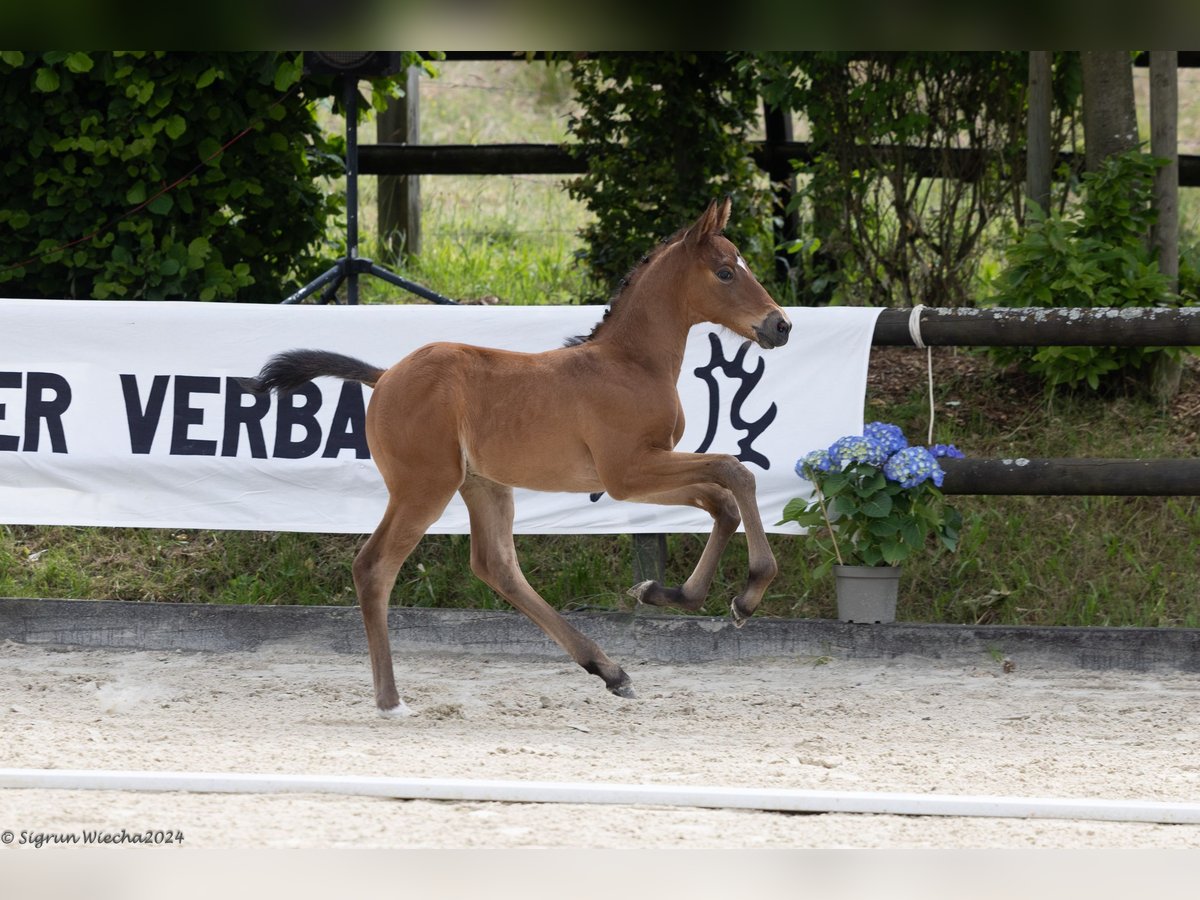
725, 273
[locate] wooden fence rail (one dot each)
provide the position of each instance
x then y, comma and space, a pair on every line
1136, 326
1074, 477
556, 159
1131, 327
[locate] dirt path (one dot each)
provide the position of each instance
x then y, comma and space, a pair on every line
840, 725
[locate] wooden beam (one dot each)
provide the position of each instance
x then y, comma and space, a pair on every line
1136, 326
469, 159
555, 159
1039, 158
1074, 477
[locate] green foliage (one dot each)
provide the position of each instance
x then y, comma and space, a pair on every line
912, 159
664, 134
1093, 255
94, 142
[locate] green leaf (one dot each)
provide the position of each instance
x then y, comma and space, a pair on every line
161, 205
878, 506
80, 62
14, 58
806, 519
175, 127
46, 80
912, 535
198, 251
869, 555
208, 77
840, 507
871, 484
794, 507
209, 147
286, 75
834, 483
136, 194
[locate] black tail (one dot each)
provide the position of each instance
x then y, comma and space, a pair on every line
289, 371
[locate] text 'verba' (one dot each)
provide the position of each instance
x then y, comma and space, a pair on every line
297, 433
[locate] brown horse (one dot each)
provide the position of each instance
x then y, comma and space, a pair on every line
601, 414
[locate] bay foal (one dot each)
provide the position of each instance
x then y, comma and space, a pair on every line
601, 414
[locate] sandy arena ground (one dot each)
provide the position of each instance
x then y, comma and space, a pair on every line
834, 725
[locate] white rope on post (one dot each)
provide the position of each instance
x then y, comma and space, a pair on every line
914, 331
464, 789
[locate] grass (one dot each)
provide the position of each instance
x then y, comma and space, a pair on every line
511, 239
1024, 560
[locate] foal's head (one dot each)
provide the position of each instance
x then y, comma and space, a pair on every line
719, 287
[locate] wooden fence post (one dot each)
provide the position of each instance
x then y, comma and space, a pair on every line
1164, 234
778, 124
1038, 153
649, 557
399, 209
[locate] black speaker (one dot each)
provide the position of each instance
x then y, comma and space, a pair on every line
359, 63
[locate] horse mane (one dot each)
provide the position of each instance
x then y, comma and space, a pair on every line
623, 287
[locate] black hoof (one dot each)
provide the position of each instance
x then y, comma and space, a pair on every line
624, 690
651, 593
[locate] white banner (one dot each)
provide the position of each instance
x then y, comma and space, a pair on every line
127, 414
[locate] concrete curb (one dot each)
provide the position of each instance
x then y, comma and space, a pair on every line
627, 637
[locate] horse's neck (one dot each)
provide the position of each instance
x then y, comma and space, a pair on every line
650, 324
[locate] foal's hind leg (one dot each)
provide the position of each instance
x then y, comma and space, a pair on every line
721, 505
494, 560
375, 570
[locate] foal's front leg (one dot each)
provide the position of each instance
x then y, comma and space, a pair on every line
658, 472
721, 505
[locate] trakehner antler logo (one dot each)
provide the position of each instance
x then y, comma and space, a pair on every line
749, 378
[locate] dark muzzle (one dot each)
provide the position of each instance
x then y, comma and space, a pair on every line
774, 330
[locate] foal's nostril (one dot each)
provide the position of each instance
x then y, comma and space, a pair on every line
783, 326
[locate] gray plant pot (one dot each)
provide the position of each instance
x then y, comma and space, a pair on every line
867, 593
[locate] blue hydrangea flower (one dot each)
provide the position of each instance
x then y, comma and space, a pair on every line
817, 460
890, 436
912, 466
948, 450
856, 448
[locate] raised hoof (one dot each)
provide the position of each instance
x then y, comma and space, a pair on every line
639, 591
624, 690
399, 711
739, 617
651, 593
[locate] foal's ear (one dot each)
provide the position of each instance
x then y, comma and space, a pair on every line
712, 221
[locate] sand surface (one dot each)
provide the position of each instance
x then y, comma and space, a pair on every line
921, 727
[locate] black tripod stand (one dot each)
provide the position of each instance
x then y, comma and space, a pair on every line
349, 267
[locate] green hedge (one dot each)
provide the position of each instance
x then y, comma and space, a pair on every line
90, 137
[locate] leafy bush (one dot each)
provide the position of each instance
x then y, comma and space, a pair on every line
664, 134
91, 140
1093, 254
912, 159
